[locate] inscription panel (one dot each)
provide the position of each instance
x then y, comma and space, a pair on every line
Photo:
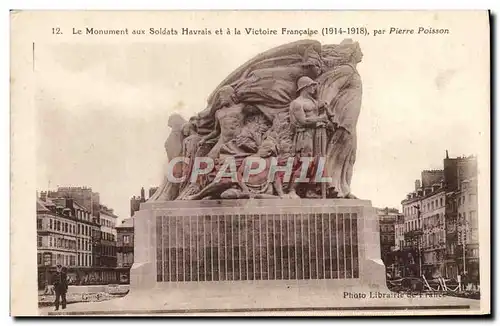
235, 247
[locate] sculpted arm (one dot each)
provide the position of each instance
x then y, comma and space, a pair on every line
299, 114
214, 134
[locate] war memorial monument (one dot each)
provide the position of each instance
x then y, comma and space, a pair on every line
256, 211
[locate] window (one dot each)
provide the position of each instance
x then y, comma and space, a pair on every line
441, 201
39, 258
50, 224
39, 224
39, 241
50, 241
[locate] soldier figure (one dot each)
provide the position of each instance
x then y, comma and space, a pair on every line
305, 119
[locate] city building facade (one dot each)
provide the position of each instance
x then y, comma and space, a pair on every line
462, 231
387, 218
462, 243
81, 237
64, 236
439, 228
136, 201
84, 196
125, 248
106, 246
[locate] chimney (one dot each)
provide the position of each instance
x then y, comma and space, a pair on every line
143, 198
69, 203
447, 157
417, 184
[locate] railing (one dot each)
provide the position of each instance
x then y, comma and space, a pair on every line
257, 247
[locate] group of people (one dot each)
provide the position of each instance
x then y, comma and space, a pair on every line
300, 100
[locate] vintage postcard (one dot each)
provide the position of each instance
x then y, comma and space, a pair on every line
246, 163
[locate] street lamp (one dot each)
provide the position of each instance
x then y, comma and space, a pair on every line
463, 224
47, 261
415, 235
419, 234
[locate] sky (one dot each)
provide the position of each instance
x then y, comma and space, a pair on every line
102, 109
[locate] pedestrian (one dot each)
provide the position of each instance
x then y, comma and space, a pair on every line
60, 283
467, 281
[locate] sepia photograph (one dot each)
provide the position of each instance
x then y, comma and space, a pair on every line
241, 163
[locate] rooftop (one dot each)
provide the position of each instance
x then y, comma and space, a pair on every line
127, 223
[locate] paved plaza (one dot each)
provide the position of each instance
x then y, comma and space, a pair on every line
259, 298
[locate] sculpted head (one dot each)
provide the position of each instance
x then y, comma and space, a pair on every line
307, 86
176, 121
357, 54
313, 61
189, 128
347, 51
225, 96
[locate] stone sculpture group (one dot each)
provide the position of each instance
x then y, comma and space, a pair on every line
293, 103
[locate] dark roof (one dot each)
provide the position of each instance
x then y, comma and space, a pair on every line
126, 223
40, 206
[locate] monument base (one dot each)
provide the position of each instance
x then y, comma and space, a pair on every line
261, 256
331, 240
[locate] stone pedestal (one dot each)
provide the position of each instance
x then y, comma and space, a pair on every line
335, 241
262, 256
